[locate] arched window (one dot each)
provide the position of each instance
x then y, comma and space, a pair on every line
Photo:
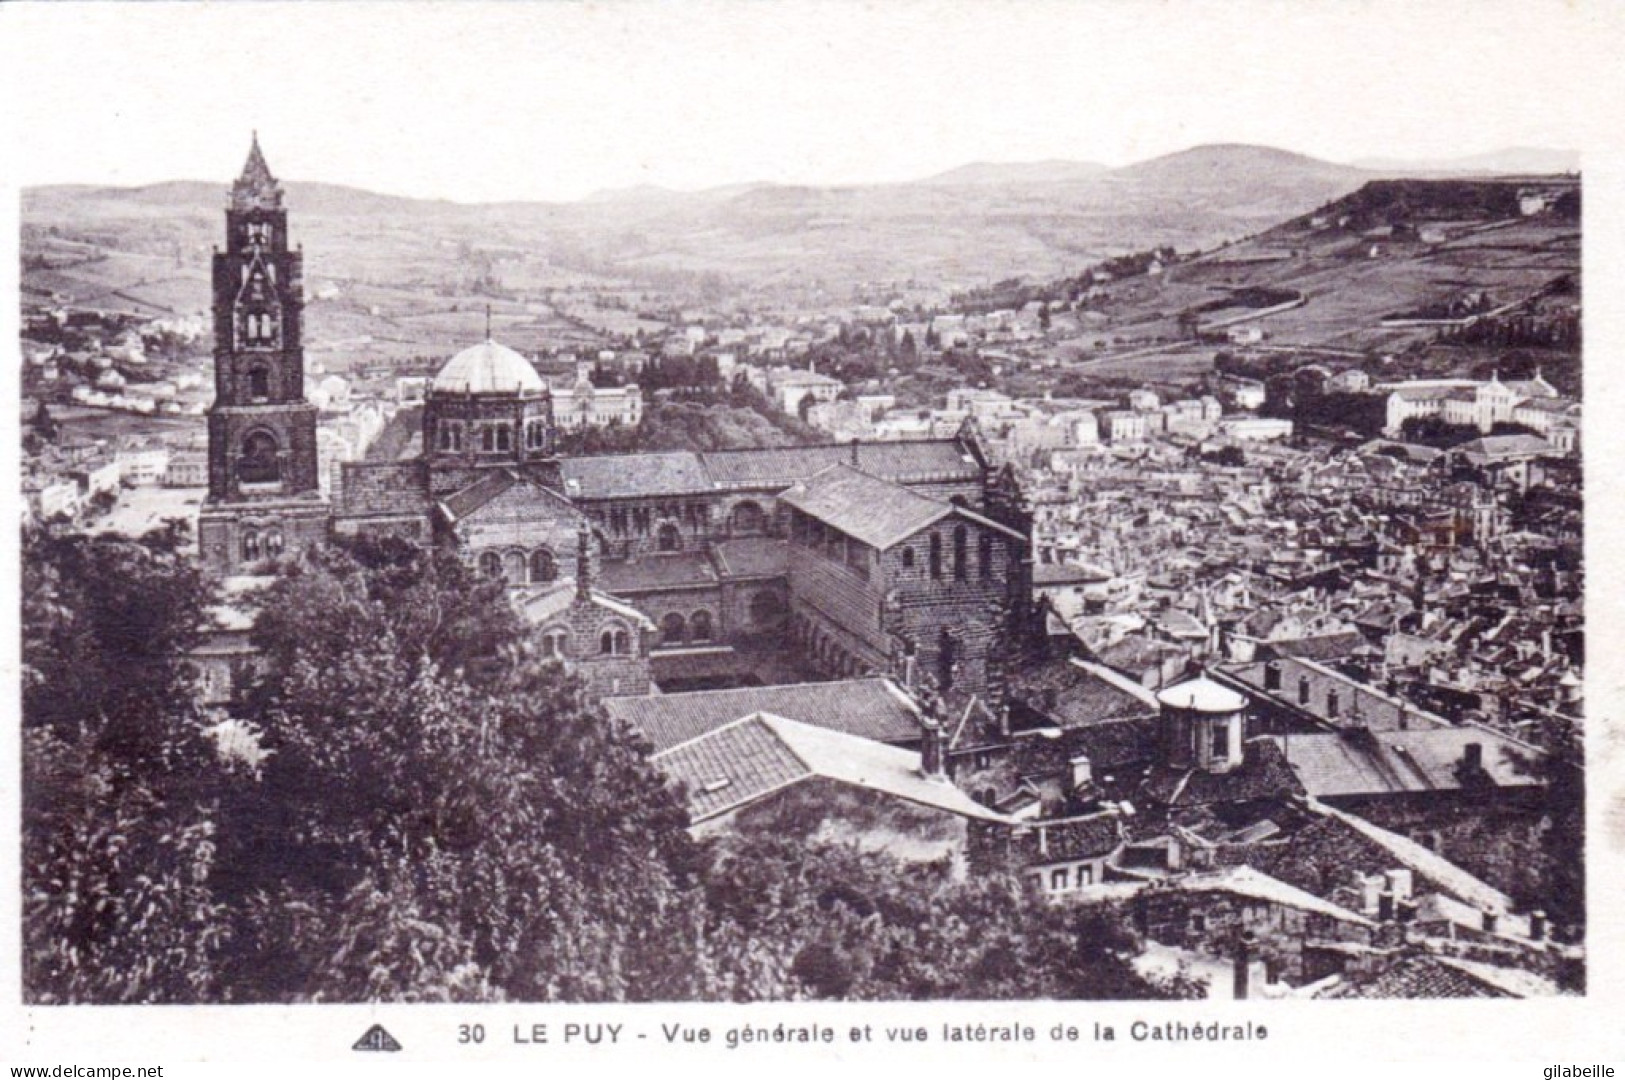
671, 629
251, 545
490, 564
554, 642
542, 566
748, 518
984, 556
259, 461
699, 626
908, 558
606, 642
273, 542
536, 435
1303, 691
623, 643
259, 382
936, 557
1331, 704
669, 538
959, 552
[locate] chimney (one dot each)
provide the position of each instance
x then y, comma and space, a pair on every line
1244, 965
584, 562
1489, 920
855, 443
1082, 775
1406, 910
1537, 925
1370, 889
1385, 906
1472, 756
1398, 883
933, 753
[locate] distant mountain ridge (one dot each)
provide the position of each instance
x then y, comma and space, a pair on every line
983, 221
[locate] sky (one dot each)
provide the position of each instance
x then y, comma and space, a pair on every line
480, 102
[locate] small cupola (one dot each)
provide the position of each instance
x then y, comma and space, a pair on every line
1202, 725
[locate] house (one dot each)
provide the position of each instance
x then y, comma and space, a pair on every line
772, 774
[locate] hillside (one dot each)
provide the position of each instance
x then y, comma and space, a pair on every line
1392, 269
978, 223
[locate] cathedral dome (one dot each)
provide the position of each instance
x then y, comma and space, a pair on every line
488, 368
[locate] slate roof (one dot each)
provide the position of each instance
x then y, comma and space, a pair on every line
751, 557
731, 766
682, 570
871, 708
1331, 764
875, 511
621, 475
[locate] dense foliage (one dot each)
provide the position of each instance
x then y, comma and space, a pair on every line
414, 806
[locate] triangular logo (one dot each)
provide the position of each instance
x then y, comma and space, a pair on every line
376, 1038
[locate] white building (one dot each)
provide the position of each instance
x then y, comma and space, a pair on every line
144, 468
584, 405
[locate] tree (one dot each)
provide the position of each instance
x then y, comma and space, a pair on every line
467, 801
117, 842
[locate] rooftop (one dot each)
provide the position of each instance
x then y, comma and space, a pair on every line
488, 368
871, 708
732, 766
875, 511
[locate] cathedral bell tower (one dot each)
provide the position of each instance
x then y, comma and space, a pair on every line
264, 496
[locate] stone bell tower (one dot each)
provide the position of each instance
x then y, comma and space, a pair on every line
264, 496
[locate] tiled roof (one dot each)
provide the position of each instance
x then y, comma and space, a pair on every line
738, 763
874, 511
489, 485
462, 503
1072, 696
1245, 881
683, 570
870, 708
385, 488
1068, 839
622, 475
751, 557
900, 461
1397, 762
1067, 573
1109, 746
1322, 647
1419, 976
544, 602
1263, 774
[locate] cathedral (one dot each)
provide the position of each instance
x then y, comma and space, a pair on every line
909, 559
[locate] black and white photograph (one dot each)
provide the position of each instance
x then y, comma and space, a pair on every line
898, 505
